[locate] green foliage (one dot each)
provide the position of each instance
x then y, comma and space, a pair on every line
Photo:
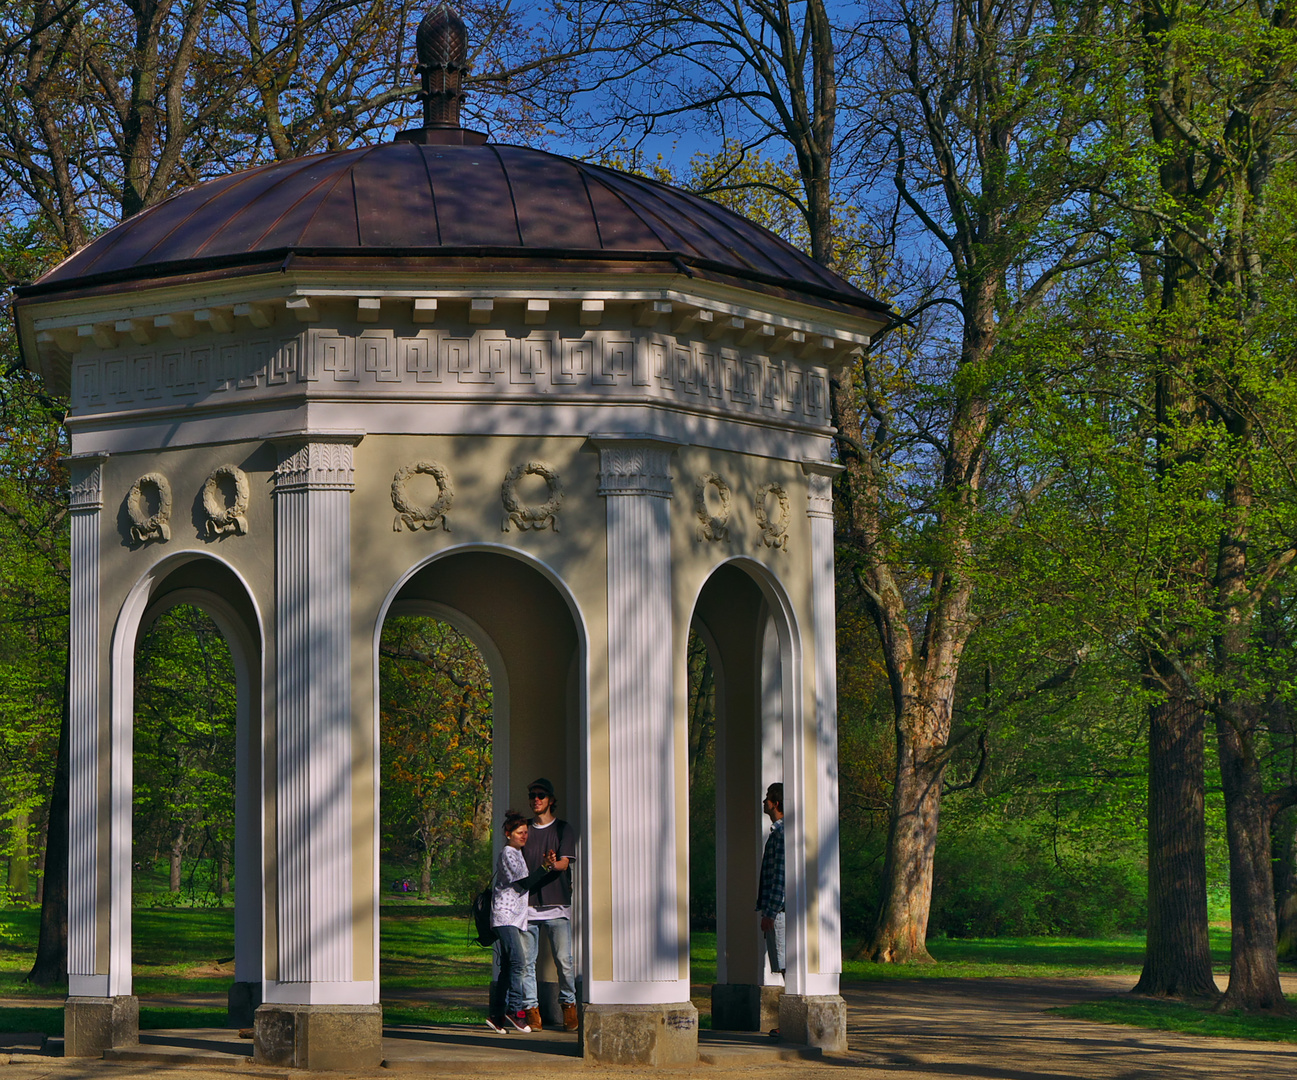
33, 613
185, 713
1009, 880
436, 717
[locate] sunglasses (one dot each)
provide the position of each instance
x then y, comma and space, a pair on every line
534, 795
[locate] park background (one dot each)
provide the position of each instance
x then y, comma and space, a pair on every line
1067, 525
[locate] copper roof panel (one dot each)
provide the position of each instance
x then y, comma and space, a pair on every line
394, 200
334, 222
474, 201
415, 205
620, 228
134, 241
250, 227
682, 236
234, 219
285, 214
550, 200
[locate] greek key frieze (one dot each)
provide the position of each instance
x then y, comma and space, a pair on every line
448, 361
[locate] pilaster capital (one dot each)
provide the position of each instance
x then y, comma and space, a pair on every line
819, 487
635, 464
86, 491
315, 460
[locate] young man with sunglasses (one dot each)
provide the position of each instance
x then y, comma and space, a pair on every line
551, 843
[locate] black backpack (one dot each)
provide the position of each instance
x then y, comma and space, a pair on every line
481, 932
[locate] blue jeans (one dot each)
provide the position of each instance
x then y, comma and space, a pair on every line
517, 956
775, 944
559, 932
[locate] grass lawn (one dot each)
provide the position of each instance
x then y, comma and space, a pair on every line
1181, 1016
1030, 957
190, 950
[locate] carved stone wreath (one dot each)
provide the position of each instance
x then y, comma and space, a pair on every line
773, 533
712, 527
414, 516
223, 517
531, 517
146, 526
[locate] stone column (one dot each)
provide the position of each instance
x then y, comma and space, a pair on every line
101, 1011
316, 1015
811, 1010
642, 1015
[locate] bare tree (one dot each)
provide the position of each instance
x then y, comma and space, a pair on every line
975, 112
120, 102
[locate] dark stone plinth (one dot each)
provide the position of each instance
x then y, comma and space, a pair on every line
814, 1020
640, 1034
92, 1025
334, 1037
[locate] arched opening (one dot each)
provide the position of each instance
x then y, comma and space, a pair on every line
525, 635
741, 643
186, 730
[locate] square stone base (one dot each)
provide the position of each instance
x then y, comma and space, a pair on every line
814, 1021
745, 1007
653, 1035
92, 1025
319, 1036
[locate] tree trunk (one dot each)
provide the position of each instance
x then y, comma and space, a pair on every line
902, 930
51, 965
1177, 953
1284, 839
425, 872
1254, 965
19, 858
176, 854
223, 870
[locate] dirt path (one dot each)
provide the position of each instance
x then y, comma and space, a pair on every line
939, 1029
1000, 1029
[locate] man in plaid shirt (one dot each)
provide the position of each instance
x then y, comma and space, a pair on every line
770, 894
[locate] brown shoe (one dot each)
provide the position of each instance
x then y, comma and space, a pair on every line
533, 1019
569, 1018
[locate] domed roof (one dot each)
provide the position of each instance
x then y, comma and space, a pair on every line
424, 207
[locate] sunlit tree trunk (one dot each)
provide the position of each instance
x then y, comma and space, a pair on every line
176, 855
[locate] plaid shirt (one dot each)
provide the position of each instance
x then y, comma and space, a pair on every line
770, 896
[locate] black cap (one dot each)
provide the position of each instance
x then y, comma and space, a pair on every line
542, 785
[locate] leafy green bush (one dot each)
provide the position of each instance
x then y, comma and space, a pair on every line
1003, 881
467, 874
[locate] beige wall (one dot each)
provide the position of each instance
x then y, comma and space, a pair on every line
525, 621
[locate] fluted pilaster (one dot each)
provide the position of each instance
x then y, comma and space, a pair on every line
647, 938
313, 755
819, 508
86, 506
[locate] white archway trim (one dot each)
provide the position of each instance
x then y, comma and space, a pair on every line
801, 789
136, 611
495, 662
499, 675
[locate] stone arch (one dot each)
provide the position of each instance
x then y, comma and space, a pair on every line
214, 585
539, 676
745, 618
